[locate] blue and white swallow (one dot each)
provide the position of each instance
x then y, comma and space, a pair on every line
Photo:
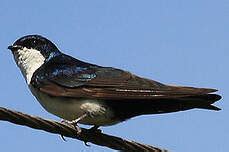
86, 93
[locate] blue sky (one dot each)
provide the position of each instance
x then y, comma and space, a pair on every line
175, 42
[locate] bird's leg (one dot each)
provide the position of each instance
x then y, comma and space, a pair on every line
95, 128
74, 123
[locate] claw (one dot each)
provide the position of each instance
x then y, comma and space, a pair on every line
63, 138
75, 123
85, 143
77, 128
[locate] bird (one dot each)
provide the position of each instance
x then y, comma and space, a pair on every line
86, 93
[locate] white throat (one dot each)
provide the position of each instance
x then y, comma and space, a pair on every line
28, 60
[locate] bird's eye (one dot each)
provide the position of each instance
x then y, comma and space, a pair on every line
34, 41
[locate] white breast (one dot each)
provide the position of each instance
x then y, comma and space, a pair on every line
28, 60
71, 109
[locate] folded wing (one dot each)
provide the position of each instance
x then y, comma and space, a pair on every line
68, 77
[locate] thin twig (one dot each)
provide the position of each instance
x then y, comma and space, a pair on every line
85, 135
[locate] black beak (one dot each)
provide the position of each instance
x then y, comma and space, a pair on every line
14, 47
10, 47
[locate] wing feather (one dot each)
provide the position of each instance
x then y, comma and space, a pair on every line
78, 79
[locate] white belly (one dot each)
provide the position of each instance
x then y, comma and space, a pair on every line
70, 109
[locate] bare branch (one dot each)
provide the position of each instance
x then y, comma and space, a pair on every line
85, 135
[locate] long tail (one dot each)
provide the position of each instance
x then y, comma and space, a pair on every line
204, 101
184, 98
160, 106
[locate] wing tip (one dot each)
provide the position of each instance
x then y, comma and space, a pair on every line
212, 90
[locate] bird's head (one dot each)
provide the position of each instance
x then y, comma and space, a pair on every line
37, 43
31, 51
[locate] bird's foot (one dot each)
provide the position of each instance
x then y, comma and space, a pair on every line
74, 123
95, 128
76, 127
92, 129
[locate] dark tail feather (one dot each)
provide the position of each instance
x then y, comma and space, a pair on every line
203, 101
210, 107
206, 101
125, 110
